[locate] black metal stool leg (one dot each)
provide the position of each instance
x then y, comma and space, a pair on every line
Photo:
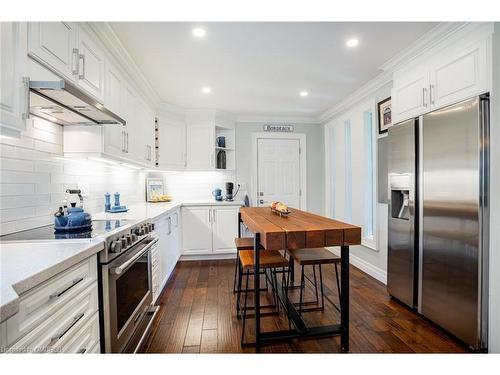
302, 287
315, 283
338, 280
321, 286
245, 308
238, 296
236, 270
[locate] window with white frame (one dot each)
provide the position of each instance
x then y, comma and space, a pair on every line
351, 168
368, 176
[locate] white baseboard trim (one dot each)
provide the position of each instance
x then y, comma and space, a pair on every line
364, 266
208, 257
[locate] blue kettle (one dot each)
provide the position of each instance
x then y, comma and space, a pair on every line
75, 220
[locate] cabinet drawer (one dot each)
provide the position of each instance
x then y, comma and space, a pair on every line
60, 327
41, 302
85, 339
96, 349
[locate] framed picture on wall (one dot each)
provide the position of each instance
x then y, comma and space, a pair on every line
384, 115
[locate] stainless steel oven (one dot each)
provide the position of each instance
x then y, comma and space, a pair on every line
126, 294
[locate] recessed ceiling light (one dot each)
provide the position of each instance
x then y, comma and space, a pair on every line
199, 32
206, 90
303, 94
353, 42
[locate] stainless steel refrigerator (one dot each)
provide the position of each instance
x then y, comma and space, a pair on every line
438, 168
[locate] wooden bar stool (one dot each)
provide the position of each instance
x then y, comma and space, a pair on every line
269, 261
242, 243
314, 257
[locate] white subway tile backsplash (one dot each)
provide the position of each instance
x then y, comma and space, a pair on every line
19, 213
50, 167
16, 165
16, 189
49, 188
24, 177
24, 201
23, 142
48, 127
53, 148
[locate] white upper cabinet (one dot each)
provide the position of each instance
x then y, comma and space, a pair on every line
443, 76
200, 147
91, 63
172, 142
141, 135
410, 94
114, 138
458, 74
14, 89
56, 45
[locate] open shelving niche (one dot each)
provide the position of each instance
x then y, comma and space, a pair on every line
230, 148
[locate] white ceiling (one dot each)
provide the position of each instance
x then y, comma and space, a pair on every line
260, 68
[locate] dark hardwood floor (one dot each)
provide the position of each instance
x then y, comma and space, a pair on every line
197, 315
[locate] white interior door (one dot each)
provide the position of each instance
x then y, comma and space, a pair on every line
278, 171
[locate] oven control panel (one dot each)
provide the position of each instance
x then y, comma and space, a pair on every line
123, 240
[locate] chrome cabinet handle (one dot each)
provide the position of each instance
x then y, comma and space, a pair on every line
59, 294
75, 61
213, 212
81, 58
431, 92
169, 226
59, 336
26, 84
126, 134
424, 94
123, 141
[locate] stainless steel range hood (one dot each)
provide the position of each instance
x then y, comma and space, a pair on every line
64, 103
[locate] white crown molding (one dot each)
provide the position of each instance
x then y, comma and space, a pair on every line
276, 119
427, 41
108, 37
360, 94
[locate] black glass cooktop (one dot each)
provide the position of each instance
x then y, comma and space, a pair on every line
99, 227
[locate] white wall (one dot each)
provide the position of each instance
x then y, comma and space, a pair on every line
372, 261
34, 178
315, 160
494, 313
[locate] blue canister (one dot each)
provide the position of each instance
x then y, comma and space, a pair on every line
221, 141
107, 203
217, 193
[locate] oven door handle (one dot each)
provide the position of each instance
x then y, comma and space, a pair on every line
122, 267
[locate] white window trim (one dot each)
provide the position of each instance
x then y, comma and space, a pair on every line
372, 241
301, 137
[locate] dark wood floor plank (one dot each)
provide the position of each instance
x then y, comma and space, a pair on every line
198, 314
208, 341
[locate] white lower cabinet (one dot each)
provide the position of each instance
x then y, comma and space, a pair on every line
167, 230
59, 316
208, 230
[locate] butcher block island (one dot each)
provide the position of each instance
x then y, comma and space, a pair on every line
300, 230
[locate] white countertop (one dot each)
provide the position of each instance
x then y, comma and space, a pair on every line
151, 211
24, 265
